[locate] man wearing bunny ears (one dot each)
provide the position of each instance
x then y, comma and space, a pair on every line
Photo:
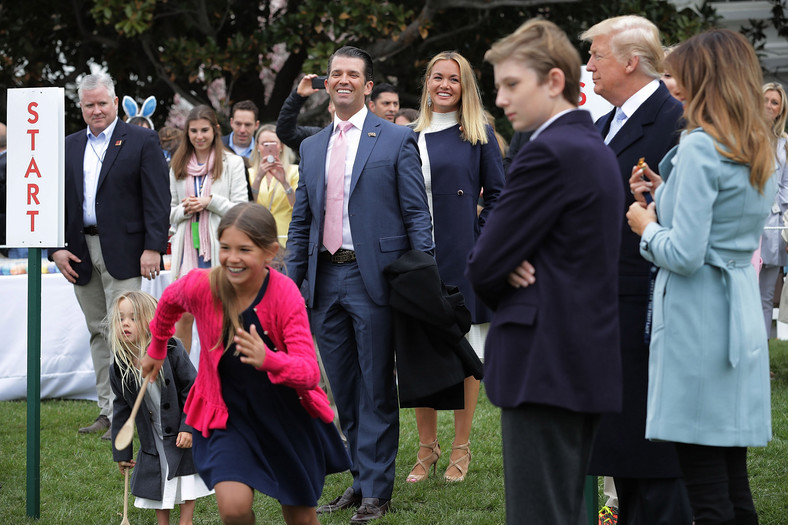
117, 201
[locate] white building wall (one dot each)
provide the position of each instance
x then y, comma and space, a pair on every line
736, 14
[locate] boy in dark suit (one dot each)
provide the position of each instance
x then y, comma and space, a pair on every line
554, 340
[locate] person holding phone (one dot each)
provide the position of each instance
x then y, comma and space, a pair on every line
287, 128
274, 177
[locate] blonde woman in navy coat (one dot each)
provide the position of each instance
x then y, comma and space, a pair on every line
459, 158
708, 385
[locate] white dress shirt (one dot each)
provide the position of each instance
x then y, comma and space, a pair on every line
92, 161
632, 104
352, 139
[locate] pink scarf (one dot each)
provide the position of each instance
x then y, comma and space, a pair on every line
194, 169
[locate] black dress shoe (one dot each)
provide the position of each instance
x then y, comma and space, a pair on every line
370, 509
349, 499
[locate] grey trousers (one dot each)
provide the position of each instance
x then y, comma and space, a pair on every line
95, 298
546, 451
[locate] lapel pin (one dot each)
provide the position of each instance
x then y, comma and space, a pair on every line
371, 134
118, 142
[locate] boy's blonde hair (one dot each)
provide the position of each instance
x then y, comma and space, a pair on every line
542, 46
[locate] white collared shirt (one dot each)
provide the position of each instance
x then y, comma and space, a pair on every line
92, 161
549, 121
352, 139
635, 101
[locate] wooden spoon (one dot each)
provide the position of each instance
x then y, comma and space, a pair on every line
126, 434
126, 499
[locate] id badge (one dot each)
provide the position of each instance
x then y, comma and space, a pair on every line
196, 235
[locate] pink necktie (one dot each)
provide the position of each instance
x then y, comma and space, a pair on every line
335, 191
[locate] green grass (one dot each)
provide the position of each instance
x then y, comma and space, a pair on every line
80, 484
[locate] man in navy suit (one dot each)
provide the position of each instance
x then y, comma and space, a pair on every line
117, 202
552, 342
626, 61
339, 243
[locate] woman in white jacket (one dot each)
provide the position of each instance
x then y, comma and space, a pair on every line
205, 182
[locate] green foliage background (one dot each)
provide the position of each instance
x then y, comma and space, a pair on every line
168, 47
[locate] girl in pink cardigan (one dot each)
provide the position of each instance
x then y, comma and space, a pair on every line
261, 422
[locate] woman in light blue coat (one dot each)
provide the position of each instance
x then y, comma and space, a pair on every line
708, 385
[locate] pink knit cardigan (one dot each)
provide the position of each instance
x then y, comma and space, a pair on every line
281, 312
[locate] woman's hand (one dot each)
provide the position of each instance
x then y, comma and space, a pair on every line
251, 346
638, 185
123, 465
184, 440
638, 217
192, 205
150, 367
275, 168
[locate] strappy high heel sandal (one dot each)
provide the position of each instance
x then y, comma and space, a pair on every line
426, 463
461, 464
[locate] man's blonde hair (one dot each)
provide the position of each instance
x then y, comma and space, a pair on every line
632, 35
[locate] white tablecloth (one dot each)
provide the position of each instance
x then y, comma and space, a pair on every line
66, 366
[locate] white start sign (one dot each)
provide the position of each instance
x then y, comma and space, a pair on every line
36, 168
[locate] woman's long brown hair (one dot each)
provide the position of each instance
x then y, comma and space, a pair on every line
186, 149
720, 76
259, 225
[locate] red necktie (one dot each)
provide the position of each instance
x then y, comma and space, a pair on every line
335, 191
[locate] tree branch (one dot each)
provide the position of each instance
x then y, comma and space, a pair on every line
383, 49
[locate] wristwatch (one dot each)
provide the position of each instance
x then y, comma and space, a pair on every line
289, 190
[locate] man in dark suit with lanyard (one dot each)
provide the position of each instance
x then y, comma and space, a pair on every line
117, 202
360, 204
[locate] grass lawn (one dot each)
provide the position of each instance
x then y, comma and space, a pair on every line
80, 484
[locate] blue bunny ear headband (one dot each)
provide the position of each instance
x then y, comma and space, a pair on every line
132, 110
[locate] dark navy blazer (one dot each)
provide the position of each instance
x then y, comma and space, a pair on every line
620, 448
132, 200
458, 171
554, 342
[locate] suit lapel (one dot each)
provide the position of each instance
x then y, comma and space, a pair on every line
78, 164
603, 123
319, 180
645, 115
113, 148
369, 136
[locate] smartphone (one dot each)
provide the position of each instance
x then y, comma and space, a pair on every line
319, 83
270, 151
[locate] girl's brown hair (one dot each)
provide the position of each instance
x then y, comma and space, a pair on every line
259, 225
720, 77
186, 149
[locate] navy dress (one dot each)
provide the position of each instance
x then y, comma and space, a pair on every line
271, 443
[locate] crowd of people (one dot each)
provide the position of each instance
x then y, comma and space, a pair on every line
601, 271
